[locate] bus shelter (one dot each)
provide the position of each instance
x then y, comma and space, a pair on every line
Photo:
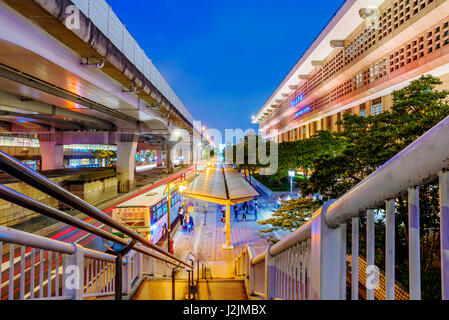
222, 185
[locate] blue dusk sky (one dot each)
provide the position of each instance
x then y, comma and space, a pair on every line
224, 58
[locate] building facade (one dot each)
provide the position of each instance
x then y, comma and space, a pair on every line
369, 49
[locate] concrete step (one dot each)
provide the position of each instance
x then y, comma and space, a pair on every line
222, 289
218, 289
161, 290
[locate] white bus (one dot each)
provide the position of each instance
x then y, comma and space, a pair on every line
147, 213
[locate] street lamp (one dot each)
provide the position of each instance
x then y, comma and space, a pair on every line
291, 174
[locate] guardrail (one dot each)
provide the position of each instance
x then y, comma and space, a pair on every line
104, 18
310, 263
84, 273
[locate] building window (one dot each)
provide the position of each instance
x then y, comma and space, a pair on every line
363, 110
376, 108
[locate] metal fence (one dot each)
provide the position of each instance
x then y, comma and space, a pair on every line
311, 263
104, 18
36, 267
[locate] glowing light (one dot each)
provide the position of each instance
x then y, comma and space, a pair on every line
297, 100
291, 173
303, 111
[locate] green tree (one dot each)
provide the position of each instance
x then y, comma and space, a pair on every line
105, 154
290, 216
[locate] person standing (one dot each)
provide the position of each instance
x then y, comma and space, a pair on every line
245, 210
236, 213
181, 215
255, 212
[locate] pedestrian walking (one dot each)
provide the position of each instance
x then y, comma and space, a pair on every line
181, 215
245, 211
236, 213
255, 212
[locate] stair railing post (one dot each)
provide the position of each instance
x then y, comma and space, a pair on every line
269, 274
73, 274
327, 258
173, 284
118, 277
190, 296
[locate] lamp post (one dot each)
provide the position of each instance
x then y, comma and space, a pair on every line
291, 174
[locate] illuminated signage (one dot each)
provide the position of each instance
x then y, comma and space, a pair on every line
303, 111
297, 100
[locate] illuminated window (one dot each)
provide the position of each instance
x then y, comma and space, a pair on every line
363, 110
376, 108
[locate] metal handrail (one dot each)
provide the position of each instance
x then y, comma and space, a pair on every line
18, 170
417, 164
14, 236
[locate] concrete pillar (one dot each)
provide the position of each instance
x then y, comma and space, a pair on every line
159, 158
169, 167
52, 151
126, 164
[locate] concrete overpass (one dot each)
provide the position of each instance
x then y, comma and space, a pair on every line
72, 66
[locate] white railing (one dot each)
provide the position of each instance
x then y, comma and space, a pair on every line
40, 268
104, 18
311, 263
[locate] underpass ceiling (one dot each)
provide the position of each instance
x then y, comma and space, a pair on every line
31, 64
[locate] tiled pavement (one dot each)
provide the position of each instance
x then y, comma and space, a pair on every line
208, 236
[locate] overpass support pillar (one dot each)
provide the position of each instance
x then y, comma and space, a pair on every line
159, 157
168, 148
126, 163
52, 151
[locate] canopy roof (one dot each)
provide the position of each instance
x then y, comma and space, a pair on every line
222, 185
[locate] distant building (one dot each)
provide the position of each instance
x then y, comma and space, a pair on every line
369, 49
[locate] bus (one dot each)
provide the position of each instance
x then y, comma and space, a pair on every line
147, 213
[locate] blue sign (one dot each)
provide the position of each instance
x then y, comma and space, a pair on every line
303, 111
297, 100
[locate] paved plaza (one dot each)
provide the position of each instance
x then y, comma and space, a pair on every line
208, 235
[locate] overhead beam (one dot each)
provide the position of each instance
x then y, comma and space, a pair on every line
337, 43
41, 118
28, 80
10, 100
5, 125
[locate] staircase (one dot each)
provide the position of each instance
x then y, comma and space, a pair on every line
222, 289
